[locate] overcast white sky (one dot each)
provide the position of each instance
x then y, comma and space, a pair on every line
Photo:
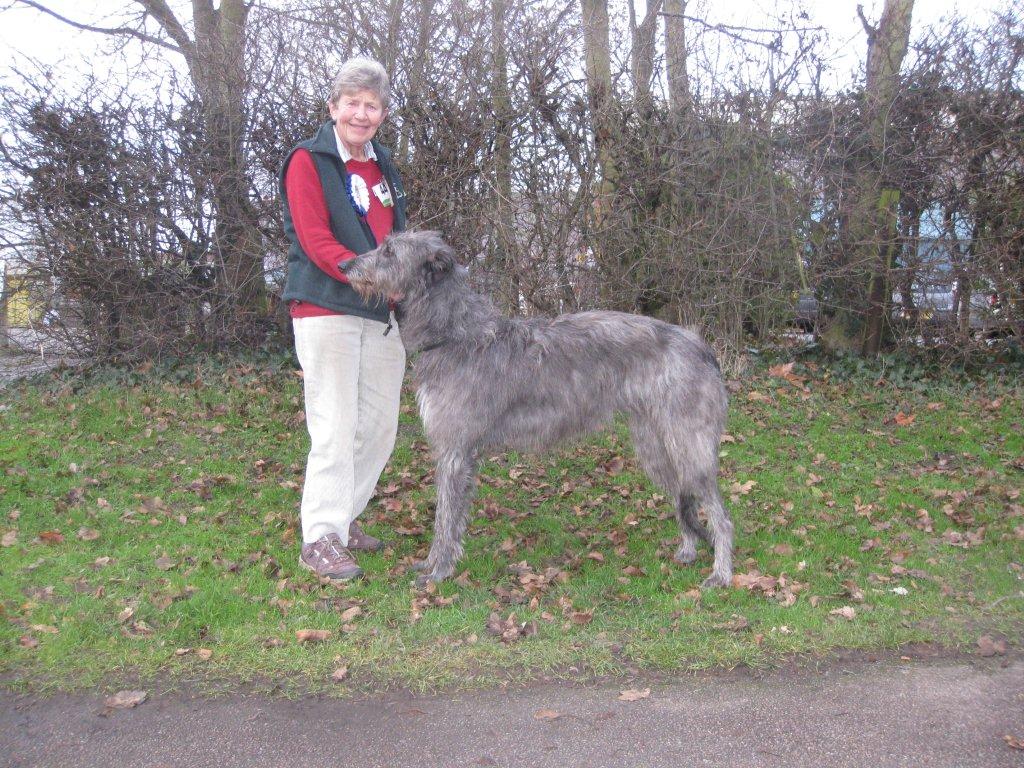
27, 32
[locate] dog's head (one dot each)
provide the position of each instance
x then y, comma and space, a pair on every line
405, 264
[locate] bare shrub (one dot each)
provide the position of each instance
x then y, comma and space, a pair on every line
713, 181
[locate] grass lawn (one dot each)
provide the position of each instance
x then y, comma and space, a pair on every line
149, 533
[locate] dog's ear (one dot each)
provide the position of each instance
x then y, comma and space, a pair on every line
440, 260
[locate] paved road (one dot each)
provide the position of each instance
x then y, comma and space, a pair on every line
879, 715
24, 353
20, 366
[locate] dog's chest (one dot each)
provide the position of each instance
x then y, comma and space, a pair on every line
428, 408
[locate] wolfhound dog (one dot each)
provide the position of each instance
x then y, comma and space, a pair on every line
485, 381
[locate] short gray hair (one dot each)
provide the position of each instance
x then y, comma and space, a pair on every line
360, 73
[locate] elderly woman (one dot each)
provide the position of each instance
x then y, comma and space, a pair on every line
342, 196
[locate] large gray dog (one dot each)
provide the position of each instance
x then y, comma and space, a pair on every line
486, 381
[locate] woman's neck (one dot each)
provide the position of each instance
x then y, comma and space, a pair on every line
355, 151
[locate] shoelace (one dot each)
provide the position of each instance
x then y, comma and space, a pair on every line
330, 545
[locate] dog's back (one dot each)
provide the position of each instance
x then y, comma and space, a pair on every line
535, 382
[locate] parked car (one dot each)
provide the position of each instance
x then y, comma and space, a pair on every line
934, 308
806, 312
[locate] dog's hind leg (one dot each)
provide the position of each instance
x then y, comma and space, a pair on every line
693, 448
691, 529
721, 530
455, 476
657, 462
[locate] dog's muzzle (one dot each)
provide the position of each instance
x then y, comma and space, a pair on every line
363, 287
349, 268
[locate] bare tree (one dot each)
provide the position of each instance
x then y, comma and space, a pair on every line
871, 219
215, 58
576, 154
504, 235
675, 59
599, 89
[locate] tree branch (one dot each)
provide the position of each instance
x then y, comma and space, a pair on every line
733, 30
871, 31
165, 17
102, 30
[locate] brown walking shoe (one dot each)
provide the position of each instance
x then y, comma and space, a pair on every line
359, 539
329, 559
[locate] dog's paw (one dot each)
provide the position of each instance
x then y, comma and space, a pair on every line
420, 565
436, 574
685, 556
716, 580
424, 579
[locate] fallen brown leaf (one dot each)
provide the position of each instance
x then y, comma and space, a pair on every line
989, 646
88, 534
312, 635
634, 695
546, 714
965, 539
904, 419
509, 630
785, 371
742, 489
125, 699
350, 613
846, 612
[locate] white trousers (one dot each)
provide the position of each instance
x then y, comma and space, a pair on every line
352, 376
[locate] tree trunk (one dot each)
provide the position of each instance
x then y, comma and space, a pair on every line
642, 56
607, 248
221, 82
501, 104
680, 113
599, 93
4, 293
216, 65
857, 324
879, 290
680, 100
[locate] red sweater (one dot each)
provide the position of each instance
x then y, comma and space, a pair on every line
313, 223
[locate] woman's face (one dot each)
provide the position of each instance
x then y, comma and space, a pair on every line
357, 115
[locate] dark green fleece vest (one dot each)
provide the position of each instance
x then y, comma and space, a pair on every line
306, 281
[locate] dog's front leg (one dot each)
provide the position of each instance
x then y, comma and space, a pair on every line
455, 476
